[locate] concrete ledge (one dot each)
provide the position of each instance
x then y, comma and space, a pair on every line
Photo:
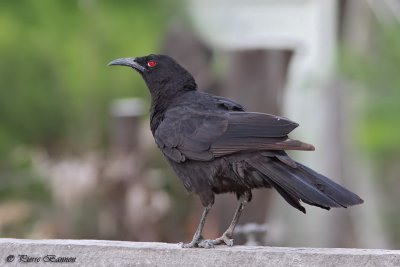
118, 253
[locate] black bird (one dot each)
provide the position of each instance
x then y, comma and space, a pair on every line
216, 147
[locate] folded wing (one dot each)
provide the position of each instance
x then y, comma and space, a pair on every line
189, 134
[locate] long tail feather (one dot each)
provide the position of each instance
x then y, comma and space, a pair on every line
295, 183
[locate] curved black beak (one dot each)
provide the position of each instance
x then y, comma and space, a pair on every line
128, 61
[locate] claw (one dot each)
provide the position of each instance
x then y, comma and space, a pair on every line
209, 243
206, 243
198, 242
189, 245
229, 242
224, 239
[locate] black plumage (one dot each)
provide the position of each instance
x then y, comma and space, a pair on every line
215, 146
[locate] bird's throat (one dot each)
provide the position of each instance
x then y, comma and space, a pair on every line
163, 94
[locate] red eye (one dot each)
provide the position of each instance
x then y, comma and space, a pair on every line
151, 63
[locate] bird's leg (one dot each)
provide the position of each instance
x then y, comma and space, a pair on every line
228, 234
197, 238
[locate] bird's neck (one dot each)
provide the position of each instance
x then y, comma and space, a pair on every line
157, 112
163, 97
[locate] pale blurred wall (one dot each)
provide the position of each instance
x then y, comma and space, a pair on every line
314, 97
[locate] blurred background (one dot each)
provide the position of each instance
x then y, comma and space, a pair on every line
77, 159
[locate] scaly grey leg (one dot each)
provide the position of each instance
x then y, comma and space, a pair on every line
226, 237
197, 235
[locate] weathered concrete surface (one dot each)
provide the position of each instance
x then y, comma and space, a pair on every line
116, 253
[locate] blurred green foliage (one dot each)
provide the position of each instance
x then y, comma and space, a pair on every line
55, 84
56, 87
378, 71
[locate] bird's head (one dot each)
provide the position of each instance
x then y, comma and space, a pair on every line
162, 74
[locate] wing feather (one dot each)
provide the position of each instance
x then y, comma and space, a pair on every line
189, 134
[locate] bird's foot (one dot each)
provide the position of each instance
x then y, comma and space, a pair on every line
192, 244
225, 239
197, 243
207, 243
